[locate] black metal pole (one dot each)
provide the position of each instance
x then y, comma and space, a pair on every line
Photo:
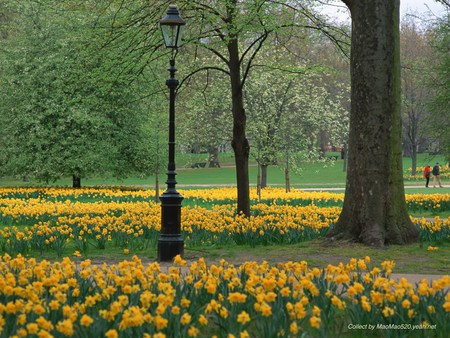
170, 242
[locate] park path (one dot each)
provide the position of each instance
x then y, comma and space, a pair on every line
219, 185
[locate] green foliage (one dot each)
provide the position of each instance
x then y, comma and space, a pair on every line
288, 113
439, 121
67, 110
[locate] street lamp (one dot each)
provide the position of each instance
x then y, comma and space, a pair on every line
170, 242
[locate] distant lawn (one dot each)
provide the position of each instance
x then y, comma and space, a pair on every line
312, 174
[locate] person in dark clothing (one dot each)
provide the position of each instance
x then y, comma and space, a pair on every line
427, 174
436, 176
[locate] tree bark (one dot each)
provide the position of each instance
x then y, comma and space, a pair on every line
213, 157
156, 187
287, 180
76, 181
414, 159
239, 143
264, 176
374, 210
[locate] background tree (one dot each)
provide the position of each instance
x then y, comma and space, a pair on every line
438, 126
374, 210
66, 111
288, 113
415, 59
232, 33
204, 115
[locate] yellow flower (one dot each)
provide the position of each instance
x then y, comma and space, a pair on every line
176, 310
22, 332
314, 322
111, 334
376, 297
266, 310
243, 318
126, 251
223, 312
44, 324
351, 291
185, 319
77, 254
86, 320
337, 302
65, 327
192, 331
316, 311
159, 335
387, 311
160, 322
365, 304
179, 261
244, 334
185, 302
446, 306
237, 297
39, 309
203, 320
293, 328
406, 304
32, 328
432, 248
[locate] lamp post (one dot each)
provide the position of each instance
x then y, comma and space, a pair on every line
170, 242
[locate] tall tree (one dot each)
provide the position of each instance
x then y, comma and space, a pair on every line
230, 33
415, 59
439, 121
374, 210
288, 113
204, 117
234, 33
66, 112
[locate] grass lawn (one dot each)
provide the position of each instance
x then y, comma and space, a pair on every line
414, 258
312, 175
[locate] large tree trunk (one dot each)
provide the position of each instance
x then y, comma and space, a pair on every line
76, 181
374, 210
239, 143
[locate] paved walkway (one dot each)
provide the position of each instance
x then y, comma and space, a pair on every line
305, 189
415, 278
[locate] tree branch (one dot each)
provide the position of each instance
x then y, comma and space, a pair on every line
202, 69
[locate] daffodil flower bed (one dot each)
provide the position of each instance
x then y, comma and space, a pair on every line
128, 299
444, 171
35, 220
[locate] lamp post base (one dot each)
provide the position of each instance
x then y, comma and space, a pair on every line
169, 247
170, 242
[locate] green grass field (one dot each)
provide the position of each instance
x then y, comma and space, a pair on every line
312, 175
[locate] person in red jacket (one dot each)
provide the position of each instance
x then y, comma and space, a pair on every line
426, 174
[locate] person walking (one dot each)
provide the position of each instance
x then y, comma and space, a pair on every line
427, 174
436, 175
